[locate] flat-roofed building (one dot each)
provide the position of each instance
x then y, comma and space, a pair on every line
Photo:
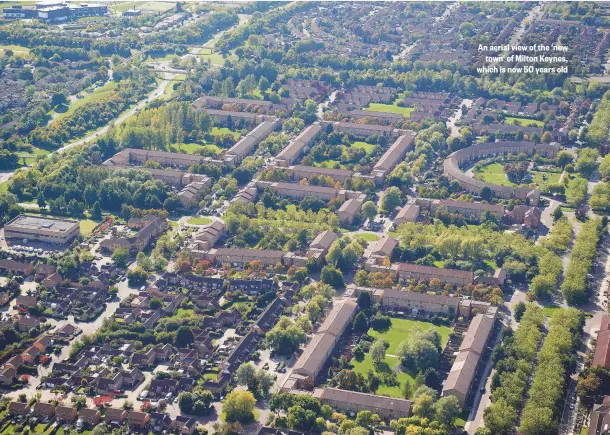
353, 402
42, 229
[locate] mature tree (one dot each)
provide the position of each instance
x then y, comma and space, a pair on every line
500, 418
486, 193
392, 198
519, 310
364, 300
447, 409
424, 406
285, 337
184, 336
369, 210
332, 276
245, 374
238, 406
377, 351
360, 324
367, 418
120, 256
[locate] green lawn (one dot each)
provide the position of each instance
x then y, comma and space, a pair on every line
215, 58
14, 48
550, 310
86, 226
523, 121
390, 108
363, 145
199, 221
193, 148
400, 329
367, 237
221, 131
98, 93
551, 177
493, 173
144, 6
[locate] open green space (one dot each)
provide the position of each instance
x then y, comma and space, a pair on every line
390, 108
86, 226
193, 148
538, 177
199, 221
403, 328
221, 131
367, 237
363, 145
493, 173
400, 330
143, 6
16, 49
523, 121
214, 58
95, 95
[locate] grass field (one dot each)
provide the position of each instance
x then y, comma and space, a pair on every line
390, 108
17, 49
199, 221
86, 226
551, 177
523, 121
363, 145
493, 173
144, 6
224, 130
215, 58
399, 331
98, 93
192, 148
367, 237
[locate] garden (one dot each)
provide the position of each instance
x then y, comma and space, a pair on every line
515, 173
394, 336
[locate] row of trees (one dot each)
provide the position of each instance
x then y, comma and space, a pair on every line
576, 282
513, 361
560, 236
556, 358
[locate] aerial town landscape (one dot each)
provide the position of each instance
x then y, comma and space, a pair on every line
286, 218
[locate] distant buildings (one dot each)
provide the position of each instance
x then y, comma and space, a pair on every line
54, 11
42, 229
